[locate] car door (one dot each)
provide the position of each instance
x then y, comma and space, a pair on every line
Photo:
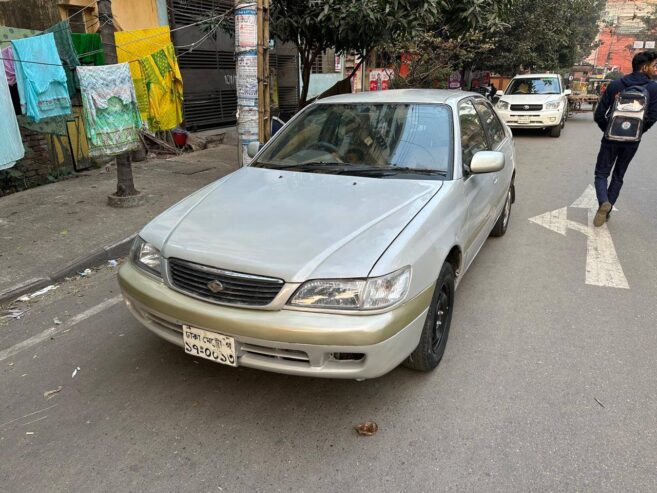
478, 188
499, 141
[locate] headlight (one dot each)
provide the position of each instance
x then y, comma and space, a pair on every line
147, 257
354, 294
552, 105
502, 105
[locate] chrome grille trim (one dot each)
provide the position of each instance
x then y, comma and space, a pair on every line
526, 107
239, 289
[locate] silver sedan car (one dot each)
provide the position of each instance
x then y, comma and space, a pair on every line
338, 251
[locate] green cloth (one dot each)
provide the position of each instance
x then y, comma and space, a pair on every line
88, 43
67, 53
9, 33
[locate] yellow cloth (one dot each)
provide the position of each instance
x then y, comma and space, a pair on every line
132, 46
164, 86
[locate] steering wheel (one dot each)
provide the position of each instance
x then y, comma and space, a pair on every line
326, 146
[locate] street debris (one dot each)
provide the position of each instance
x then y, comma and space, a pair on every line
112, 263
75, 372
28, 297
601, 404
29, 433
56, 321
367, 429
85, 273
12, 313
49, 394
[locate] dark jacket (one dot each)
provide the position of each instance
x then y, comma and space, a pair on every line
617, 86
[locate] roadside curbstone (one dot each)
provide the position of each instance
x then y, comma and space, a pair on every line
92, 259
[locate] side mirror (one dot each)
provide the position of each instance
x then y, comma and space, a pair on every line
252, 149
567, 92
487, 162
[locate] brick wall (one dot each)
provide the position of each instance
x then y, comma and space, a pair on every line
36, 164
34, 167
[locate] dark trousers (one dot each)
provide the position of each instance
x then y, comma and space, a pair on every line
613, 159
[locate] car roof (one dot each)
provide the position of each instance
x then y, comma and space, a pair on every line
533, 76
435, 96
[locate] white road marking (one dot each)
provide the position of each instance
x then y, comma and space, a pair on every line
603, 268
48, 333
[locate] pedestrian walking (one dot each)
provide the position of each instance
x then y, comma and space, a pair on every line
616, 153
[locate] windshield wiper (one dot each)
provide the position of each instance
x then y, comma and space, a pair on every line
305, 166
401, 169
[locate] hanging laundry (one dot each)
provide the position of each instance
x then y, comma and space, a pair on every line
7, 34
111, 114
89, 43
131, 46
67, 53
12, 148
7, 55
41, 85
165, 91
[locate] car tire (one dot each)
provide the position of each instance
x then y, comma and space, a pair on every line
433, 340
556, 131
502, 223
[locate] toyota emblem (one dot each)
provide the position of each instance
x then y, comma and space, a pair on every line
215, 286
526, 107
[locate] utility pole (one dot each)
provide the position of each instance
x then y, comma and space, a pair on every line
264, 89
126, 194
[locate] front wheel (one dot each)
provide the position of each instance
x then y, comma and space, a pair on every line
502, 223
433, 340
556, 131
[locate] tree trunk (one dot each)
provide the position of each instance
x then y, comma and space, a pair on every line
307, 63
125, 186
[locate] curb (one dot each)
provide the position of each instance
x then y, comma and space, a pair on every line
93, 259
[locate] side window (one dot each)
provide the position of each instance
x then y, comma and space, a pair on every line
491, 122
473, 137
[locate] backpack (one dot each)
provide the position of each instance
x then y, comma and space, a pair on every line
626, 120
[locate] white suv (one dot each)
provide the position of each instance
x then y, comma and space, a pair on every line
535, 101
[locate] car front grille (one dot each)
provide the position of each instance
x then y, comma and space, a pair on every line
526, 107
231, 288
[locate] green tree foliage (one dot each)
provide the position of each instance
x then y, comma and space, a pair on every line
545, 35
349, 26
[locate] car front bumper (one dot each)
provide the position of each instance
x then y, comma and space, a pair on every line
285, 341
538, 119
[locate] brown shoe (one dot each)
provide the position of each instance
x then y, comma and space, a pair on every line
601, 216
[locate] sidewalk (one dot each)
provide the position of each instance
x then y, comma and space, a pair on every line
54, 231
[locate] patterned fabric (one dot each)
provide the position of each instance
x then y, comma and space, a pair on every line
7, 55
165, 92
89, 43
131, 46
40, 78
12, 148
110, 111
67, 53
8, 34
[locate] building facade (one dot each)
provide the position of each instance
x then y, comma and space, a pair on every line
622, 34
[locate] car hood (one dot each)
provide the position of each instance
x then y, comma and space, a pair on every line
290, 225
530, 98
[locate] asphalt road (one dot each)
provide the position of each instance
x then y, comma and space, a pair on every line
548, 383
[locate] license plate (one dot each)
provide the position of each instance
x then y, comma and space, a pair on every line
523, 119
210, 345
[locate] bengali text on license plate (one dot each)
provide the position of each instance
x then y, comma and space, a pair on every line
210, 345
523, 119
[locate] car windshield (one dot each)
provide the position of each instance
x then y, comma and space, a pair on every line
537, 85
365, 138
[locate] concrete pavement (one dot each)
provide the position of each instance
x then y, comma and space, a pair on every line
51, 232
547, 383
